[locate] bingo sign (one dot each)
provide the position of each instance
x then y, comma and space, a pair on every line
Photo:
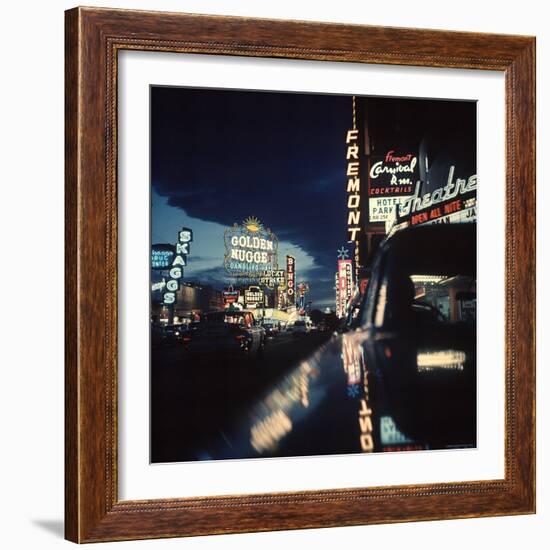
250, 249
392, 179
173, 262
291, 279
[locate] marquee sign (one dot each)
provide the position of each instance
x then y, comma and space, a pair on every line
454, 211
250, 249
444, 201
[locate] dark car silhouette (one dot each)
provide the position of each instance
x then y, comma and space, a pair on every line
226, 333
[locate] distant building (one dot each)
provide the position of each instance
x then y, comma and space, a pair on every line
191, 300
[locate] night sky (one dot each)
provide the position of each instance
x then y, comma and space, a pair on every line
219, 156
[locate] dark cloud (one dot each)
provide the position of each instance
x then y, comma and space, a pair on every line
225, 155
222, 156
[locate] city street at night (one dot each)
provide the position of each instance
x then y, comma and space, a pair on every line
313, 281
316, 394
193, 399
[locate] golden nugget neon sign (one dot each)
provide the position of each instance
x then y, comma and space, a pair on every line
250, 249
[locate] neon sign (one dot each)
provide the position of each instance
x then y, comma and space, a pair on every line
345, 283
353, 187
162, 256
338, 298
175, 267
394, 174
230, 296
273, 277
253, 297
250, 249
291, 279
453, 190
391, 181
343, 253
158, 286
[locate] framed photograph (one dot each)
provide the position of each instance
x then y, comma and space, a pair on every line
276, 236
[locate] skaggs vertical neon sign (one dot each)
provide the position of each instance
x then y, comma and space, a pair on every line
182, 250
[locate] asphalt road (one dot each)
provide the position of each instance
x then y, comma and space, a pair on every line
192, 401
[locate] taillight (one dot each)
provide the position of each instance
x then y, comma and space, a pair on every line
240, 337
186, 339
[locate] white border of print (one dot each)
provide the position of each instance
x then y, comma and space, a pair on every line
138, 479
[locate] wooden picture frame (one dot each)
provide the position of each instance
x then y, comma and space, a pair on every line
93, 39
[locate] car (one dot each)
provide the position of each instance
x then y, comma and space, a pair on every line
422, 276
271, 328
419, 314
301, 327
227, 333
166, 335
322, 327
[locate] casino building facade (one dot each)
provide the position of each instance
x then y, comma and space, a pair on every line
408, 162
410, 150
